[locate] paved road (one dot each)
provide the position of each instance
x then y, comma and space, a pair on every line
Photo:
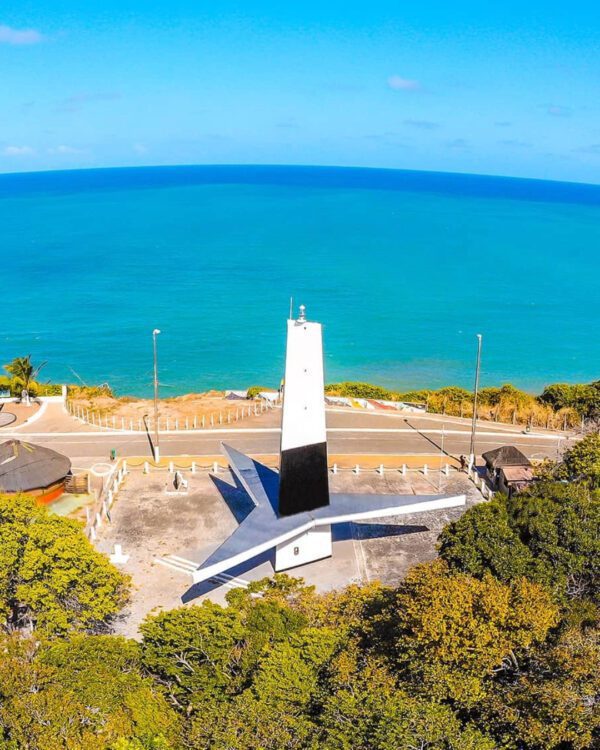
349, 432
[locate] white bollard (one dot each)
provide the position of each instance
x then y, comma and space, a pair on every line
171, 467
195, 421
403, 470
335, 469
215, 468
381, 469
425, 469
357, 469
446, 470
146, 467
109, 498
193, 467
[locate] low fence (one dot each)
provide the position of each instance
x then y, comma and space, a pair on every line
99, 513
168, 424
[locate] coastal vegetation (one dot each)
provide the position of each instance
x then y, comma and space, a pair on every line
22, 375
559, 406
494, 644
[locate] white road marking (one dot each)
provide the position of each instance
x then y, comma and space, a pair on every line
272, 430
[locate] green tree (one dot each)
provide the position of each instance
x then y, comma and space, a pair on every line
23, 372
582, 461
551, 534
51, 577
452, 631
85, 693
553, 701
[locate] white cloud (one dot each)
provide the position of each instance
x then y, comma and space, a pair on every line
18, 151
403, 84
8, 35
65, 150
139, 148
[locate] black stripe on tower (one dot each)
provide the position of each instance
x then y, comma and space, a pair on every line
303, 479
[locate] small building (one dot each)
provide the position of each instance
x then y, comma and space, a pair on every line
32, 469
508, 469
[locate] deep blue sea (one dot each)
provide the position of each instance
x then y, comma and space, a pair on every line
402, 268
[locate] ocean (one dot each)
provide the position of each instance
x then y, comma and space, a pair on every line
402, 268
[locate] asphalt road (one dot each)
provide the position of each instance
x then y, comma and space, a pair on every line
349, 432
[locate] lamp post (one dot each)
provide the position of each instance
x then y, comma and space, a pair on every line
156, 448
475, 394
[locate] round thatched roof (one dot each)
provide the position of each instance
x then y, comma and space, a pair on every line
25, 467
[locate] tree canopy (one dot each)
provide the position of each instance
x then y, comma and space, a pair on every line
51, 577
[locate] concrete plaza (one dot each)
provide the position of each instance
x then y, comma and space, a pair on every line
167, 534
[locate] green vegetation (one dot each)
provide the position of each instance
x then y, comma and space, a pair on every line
254, 390
558, 406
23, 374
493, 645
51, 577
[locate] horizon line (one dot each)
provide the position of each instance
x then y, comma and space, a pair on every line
298, 166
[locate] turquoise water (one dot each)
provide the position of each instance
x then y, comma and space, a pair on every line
403, 269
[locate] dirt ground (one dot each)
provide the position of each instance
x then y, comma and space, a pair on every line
190, 406
167, 535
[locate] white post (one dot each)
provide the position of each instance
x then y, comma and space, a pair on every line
92, 534
124, 468
176, 423
146, 467
203, 424
381, 469
98, 520
122, 423
171, 468
446, 469
131, 425
187, 424
110, 498
215, 468
335, 469
403, 470
193, 467
212, 421
357, 469
220, 418
195, 421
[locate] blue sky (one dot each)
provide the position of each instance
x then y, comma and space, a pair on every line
498, 88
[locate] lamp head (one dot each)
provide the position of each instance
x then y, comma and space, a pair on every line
155, 332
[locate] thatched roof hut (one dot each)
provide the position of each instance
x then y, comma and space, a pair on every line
25, 467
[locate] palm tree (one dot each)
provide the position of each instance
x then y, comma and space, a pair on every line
23, 372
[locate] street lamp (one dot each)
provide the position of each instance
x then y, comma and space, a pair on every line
475, 394
155, 446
